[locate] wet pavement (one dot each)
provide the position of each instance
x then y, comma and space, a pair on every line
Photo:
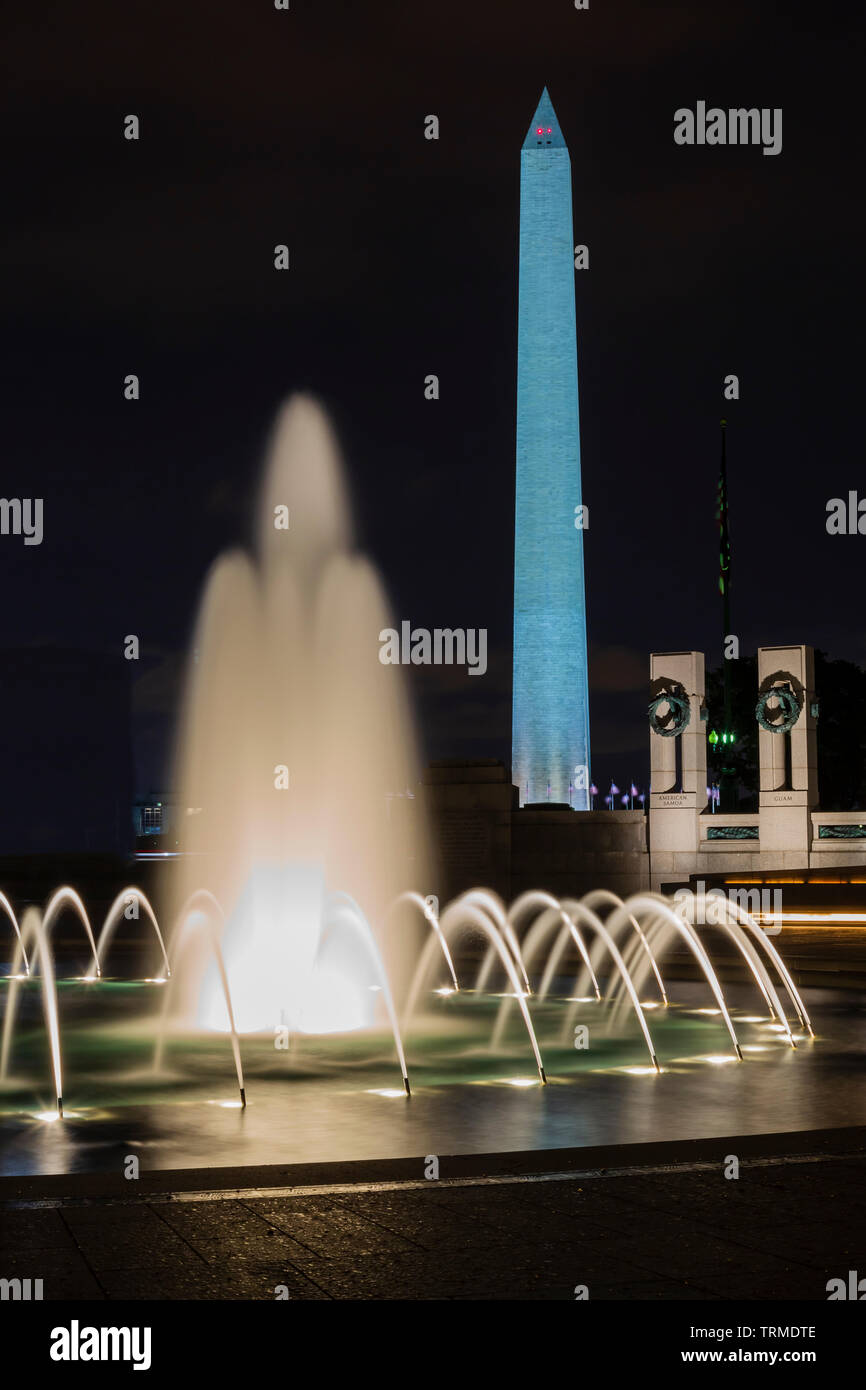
649, 1230
341, 1099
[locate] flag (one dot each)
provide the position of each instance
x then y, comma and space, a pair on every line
722, 519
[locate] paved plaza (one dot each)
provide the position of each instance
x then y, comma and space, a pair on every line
656, 1230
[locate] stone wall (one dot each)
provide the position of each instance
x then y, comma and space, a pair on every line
568, 853
469, 806
484, 840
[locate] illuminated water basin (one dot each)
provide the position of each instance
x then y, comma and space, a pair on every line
337, 1099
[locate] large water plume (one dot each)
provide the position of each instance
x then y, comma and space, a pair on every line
296, 754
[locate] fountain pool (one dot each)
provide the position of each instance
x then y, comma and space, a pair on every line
298, 996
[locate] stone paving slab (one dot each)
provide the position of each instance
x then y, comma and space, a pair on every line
779, 1231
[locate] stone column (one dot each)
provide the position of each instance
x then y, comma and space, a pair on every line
677, 799
788, 761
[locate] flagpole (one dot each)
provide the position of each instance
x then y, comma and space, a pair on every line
726, 788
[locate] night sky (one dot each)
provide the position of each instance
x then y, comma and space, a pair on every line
261, 127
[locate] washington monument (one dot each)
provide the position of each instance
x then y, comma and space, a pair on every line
550, 715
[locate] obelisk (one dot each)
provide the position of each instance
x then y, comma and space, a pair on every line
550, 714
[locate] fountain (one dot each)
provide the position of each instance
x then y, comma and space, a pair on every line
298, 934
294, 741
646, 925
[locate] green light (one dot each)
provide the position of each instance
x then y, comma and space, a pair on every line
713, 737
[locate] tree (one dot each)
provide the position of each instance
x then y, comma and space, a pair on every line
841, 691
742, 756
840, 687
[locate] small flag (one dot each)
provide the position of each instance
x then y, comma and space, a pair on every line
722, 519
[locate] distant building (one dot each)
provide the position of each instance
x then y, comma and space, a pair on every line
154, 815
